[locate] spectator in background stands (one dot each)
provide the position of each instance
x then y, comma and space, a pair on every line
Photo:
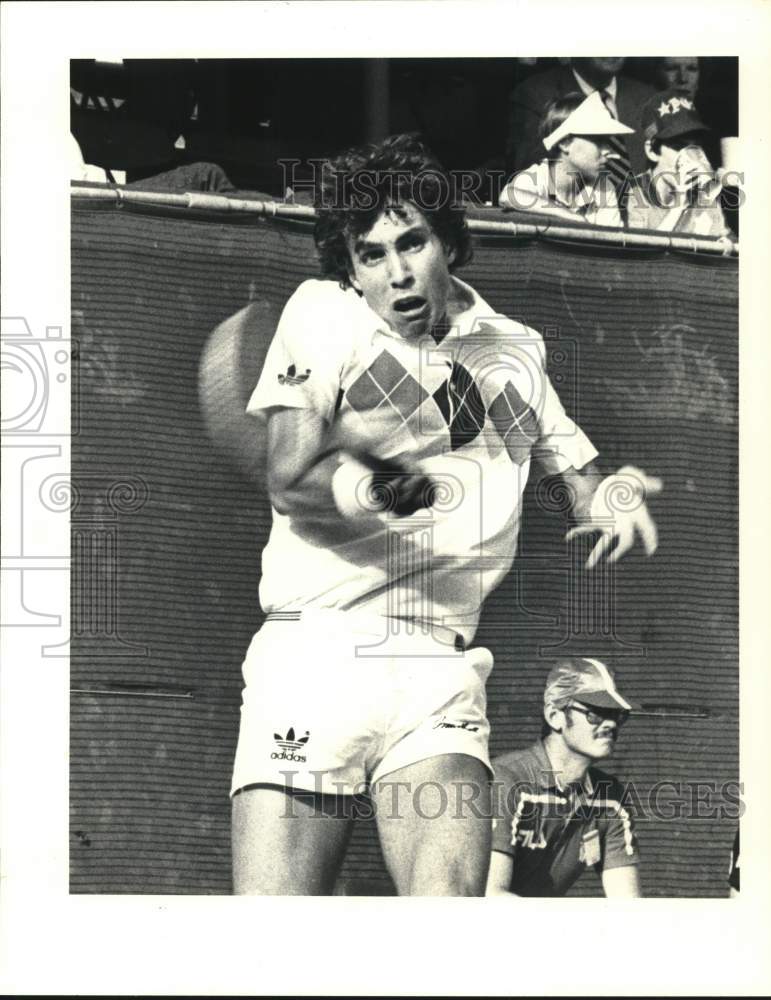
79, 169
680, 192
679, 73
556, 814
571, 183
623, 96
712, 84
185, 178
188, 177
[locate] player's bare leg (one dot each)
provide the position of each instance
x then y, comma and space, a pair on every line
288, 844
435, 828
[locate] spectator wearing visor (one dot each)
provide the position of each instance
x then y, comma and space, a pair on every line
680, 192
572, 182
622, 95
557, 814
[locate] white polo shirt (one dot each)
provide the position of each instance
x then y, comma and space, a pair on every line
469, 411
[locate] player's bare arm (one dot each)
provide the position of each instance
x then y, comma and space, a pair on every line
299, 464
311, 468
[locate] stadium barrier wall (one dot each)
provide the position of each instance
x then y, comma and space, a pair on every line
641, 345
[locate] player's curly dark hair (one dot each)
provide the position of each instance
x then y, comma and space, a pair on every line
361, 183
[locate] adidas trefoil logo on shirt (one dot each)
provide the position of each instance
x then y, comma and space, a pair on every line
292, 378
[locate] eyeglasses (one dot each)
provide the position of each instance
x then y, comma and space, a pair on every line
619, 716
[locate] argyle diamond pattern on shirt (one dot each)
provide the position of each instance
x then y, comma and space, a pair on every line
515, 421
386, 380
387, 371
462, 406
458, 399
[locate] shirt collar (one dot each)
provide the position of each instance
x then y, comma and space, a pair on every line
588, 89
476, 308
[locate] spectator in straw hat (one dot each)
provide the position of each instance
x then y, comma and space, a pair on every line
557, 814
572, 182
621, 94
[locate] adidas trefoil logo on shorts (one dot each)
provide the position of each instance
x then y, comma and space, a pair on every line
290, 745
292, 378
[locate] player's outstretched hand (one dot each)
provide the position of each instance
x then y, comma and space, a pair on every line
619, 513
364, 485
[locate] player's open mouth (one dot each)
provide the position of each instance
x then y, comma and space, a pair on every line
412, 307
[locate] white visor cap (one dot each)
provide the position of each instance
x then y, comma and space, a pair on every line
591, 117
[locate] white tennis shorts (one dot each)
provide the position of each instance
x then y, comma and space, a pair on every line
331, 704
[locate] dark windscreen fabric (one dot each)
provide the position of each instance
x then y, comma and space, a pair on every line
642, 348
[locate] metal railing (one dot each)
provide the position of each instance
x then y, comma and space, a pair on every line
218, 204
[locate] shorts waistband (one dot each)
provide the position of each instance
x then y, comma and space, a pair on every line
374, 622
